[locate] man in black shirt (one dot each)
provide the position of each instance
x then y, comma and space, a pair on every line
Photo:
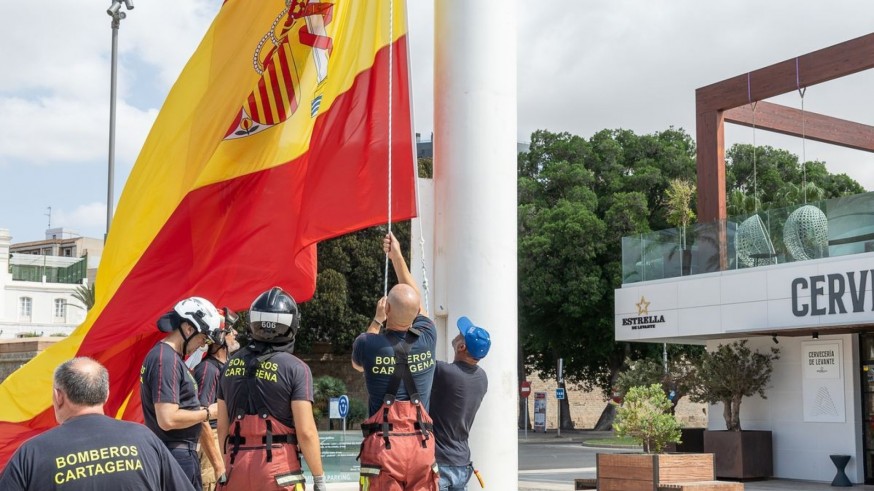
265, 399
168, 390
90, 451
456, 395
207, 374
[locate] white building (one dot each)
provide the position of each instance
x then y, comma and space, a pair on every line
813, 299
36, 292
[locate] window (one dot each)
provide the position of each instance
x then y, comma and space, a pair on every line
60, 308
25, 308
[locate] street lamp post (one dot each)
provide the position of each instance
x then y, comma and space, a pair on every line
115, 12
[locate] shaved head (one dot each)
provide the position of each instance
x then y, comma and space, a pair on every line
402, 306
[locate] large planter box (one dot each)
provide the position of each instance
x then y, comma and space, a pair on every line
692, 441
644, 472
741, 454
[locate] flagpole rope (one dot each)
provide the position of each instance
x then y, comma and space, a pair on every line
391, 36
425, 284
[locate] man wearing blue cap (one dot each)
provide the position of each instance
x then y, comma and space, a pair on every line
456, 395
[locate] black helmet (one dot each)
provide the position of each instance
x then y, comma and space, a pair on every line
273, 317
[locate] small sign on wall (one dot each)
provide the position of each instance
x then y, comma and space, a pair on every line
823, 381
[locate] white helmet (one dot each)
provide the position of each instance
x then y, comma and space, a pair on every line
200, 313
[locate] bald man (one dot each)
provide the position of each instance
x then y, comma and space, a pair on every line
90, 451
398, 364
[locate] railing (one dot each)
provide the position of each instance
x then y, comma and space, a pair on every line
835, 227
33, 268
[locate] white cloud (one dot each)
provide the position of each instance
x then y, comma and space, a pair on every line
82, 219
583, 66
54, 96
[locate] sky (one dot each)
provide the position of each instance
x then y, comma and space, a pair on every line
584, 65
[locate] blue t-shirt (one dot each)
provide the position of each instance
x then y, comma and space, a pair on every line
374, 352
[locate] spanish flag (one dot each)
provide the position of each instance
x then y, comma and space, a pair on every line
274, 137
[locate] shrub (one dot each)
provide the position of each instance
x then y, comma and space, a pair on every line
645, 417
324, 388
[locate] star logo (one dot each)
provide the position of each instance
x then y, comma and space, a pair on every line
642, 306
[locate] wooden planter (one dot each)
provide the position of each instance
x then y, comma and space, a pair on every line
741, 454
645, 472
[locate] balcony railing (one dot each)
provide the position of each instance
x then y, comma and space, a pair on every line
830, 228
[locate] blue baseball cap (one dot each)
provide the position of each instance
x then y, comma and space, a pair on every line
476, 338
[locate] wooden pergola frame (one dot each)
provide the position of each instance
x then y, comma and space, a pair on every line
731, 101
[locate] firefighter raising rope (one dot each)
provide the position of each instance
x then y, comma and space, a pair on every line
398, 448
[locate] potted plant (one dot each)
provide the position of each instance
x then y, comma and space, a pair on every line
680, 215
727, 375
645, 416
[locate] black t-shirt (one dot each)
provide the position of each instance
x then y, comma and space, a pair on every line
375, 353
94, 452
458, 391
165, 377
207, 374
280, 379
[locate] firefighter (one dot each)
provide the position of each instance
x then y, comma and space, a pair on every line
265, 399
207, 373
398, 448
168, 389
89, 450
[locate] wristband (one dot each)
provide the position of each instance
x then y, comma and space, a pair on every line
380, 324
207, 413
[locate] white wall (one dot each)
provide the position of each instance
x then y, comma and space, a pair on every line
740, 302
801, 450
43, 296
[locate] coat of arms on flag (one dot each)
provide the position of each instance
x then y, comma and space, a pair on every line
301, 39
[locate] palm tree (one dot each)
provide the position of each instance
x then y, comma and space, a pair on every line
85, 294
740, 203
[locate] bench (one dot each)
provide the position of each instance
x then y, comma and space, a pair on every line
585, 484
703, 486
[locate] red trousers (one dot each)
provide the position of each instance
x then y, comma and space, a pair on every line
407, 465
250, 470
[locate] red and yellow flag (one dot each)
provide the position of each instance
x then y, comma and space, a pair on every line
274, 137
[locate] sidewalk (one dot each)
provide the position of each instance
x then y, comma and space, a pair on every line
567, 436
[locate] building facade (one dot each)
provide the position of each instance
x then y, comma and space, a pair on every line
806, 287
36, 290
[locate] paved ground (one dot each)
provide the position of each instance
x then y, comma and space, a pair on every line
549, 462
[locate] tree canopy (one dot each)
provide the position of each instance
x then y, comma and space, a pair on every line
577, 199
777, 178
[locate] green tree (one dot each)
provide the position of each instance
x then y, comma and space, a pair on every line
645, 416
677, 382
730, 373
577, 199
779, 178
678, 202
